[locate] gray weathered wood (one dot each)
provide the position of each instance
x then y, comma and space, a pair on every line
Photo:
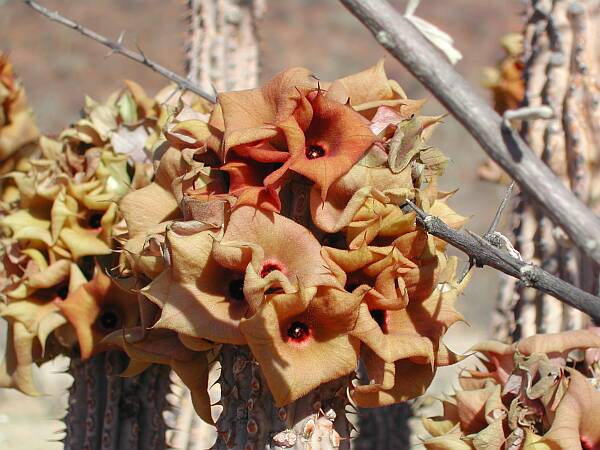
486, 254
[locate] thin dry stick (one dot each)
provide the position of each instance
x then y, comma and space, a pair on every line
491, 235
492, 229
117, 47
501, 143
485, 254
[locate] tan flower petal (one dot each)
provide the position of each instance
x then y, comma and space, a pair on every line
248, 116
273, 243
16, 366
335, 140
83, 243
164, 347
369, 89
559, 343
144, 208
411, 380
348, 194
472, 407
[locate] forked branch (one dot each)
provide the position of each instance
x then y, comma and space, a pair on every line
117, 47
501, 143
486, 254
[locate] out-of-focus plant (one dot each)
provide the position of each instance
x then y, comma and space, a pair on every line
507, 86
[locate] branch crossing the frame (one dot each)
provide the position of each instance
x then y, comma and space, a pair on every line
117, 47
486, 254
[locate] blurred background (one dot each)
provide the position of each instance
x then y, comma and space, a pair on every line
59, 67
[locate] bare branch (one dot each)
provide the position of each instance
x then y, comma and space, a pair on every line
117, 47
501, 143
485, 254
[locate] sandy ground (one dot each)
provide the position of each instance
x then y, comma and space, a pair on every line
59, 67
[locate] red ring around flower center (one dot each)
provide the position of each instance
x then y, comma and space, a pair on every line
314, 151
269, 266
587, 444
298, 332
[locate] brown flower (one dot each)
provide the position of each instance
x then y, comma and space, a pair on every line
302, 340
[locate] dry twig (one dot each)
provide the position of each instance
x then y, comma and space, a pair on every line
117, 47
491, 235
501, 143
485, 254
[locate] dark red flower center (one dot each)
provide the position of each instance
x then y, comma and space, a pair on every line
379, 316
298, 331
63, 291
314, 151
95, 220
270, 266
108, 320
236, 289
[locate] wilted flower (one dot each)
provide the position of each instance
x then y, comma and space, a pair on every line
528, 395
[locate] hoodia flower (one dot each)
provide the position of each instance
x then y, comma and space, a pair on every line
292, 123
273, 252
213, 281
302, 340
400, 162
219, 248
198, 297
128, 122
97, 308
388, 270
506, 83
61, 214
402, 339
575, 425
526, 396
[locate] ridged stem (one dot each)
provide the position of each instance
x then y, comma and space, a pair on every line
561, 63
109, 412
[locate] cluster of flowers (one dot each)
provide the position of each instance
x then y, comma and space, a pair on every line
538, 394
58, 213
271, 219
275, 221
